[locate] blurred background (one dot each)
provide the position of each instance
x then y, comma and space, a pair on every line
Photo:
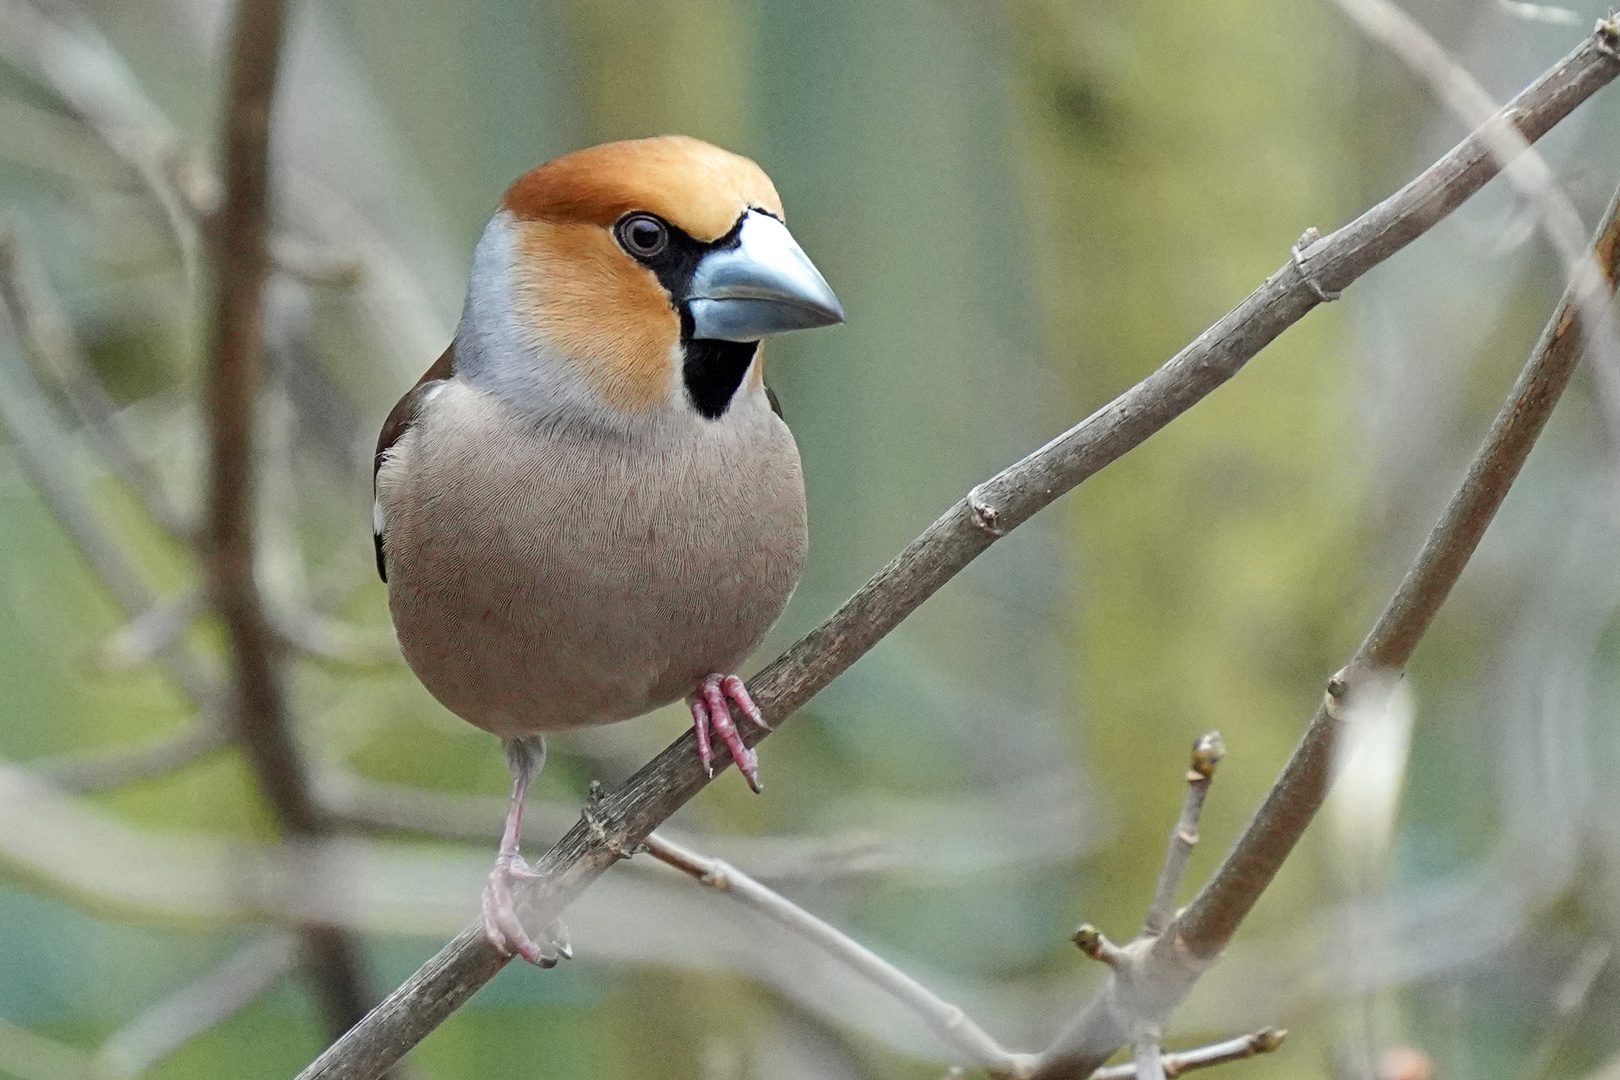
1025, 207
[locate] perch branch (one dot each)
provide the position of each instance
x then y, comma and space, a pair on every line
626, 816
238, 240
948, 1021
1166, 972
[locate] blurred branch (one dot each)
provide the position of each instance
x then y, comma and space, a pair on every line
238, 239
1244, 1046
948, 1021
46, 455
1574, 992
181, 1016
627, 815
1146, 991
28, 1056
115, 768
1207, 753
153, 632
968, 828
37, 316
1525, 170
65, 51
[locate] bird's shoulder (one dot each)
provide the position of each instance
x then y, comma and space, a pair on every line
399, 421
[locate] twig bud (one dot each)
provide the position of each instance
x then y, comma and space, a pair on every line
1207, 751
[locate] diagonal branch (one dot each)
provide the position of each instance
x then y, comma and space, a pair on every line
45, 332
627, 815
238, 237
954, 1027
1160, 978
1525, 170
181, 1016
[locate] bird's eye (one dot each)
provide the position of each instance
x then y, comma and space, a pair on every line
643, 235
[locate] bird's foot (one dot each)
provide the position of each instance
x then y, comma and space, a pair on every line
711, 710
501, 923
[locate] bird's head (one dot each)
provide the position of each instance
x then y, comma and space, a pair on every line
637, 276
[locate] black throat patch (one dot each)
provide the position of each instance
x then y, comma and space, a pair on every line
713, 370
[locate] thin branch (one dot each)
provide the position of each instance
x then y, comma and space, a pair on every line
45, 452
121, 766
628, 814
183, 1015
960, 833
1525, 170
1091, 941
1263, 1041
41, 325
66, 52
152, 632
1148, 1059
948, 1021
1166, 973
1574, 992
239, 244
1207, 752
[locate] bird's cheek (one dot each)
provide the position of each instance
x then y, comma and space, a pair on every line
599, 311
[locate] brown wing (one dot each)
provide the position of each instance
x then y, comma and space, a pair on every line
399, 421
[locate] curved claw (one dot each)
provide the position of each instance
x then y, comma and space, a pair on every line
501, 924
711, 710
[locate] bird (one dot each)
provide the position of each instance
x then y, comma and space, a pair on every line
589, 506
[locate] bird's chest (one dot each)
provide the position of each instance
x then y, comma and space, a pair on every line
556, 579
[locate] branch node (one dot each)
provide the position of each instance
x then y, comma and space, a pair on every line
1297, 252
1606, 36
1338, 688
593, 821
1268, 1039
1092, 942
984, 516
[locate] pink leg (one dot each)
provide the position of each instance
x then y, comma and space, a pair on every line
711, 710
501, 924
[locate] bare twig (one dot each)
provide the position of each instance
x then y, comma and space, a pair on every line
948, 1021
188, 1012
628, 814
1091, 941
1244, 1046
45, 452
1163, 975
956, 835
46, 334
115, 768
1525, 170
68, 54
239, 243
152, 632
1207, 752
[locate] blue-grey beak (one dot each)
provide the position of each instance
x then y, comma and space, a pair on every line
764, 285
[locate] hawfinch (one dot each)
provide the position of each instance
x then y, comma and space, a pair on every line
590, 506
